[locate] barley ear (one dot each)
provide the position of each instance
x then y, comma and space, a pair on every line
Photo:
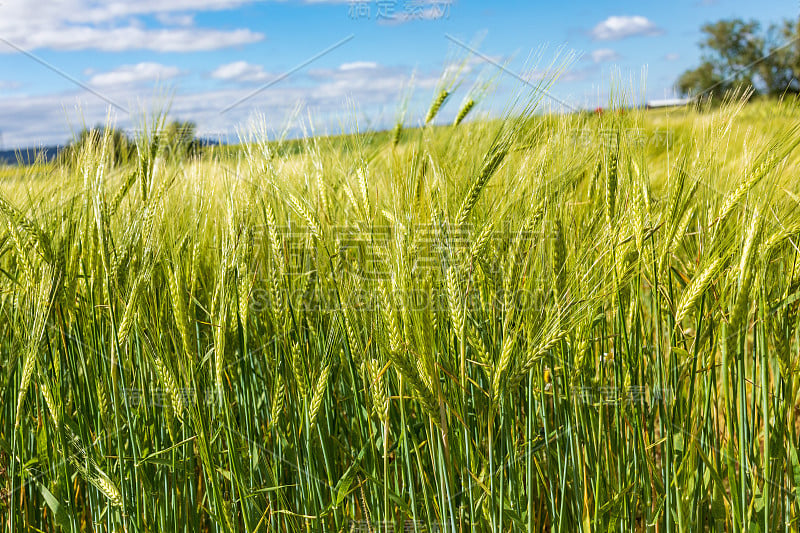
396, 133
464, 111
179, 310
278, 396
491, 162
108, 488
503, 364
436, 105
742, 300
299, 371
611, 182
696, 288
169, 384
319, 393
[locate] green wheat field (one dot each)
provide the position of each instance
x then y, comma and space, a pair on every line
543, 322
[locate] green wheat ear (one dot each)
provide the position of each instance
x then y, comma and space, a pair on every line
278, 400
108, 488
491, 162
397, 132
406, 344
318, 394
464, 111
436, 105
611, 182
696, 289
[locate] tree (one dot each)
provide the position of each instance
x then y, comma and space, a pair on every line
180, 138
737, 54
782, 71
120, 148
176, 140
702, 79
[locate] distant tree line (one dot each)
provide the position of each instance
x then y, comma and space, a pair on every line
178, 139
739, 54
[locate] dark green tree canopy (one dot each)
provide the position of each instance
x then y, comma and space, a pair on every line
121, 147
180, 138
177, 139
739, 54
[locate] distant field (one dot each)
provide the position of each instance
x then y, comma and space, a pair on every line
541, 323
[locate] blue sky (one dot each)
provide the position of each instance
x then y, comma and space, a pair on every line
202, 56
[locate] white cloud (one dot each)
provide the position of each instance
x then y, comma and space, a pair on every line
362, 80
378, 84
132, 74
358, 65
240, 71
8, 85
567, 76
30, 120
134, 38
97, 11
620, 27
176, 19
672, 57
603, 55
113, 26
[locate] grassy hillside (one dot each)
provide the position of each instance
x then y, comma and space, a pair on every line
571, 323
